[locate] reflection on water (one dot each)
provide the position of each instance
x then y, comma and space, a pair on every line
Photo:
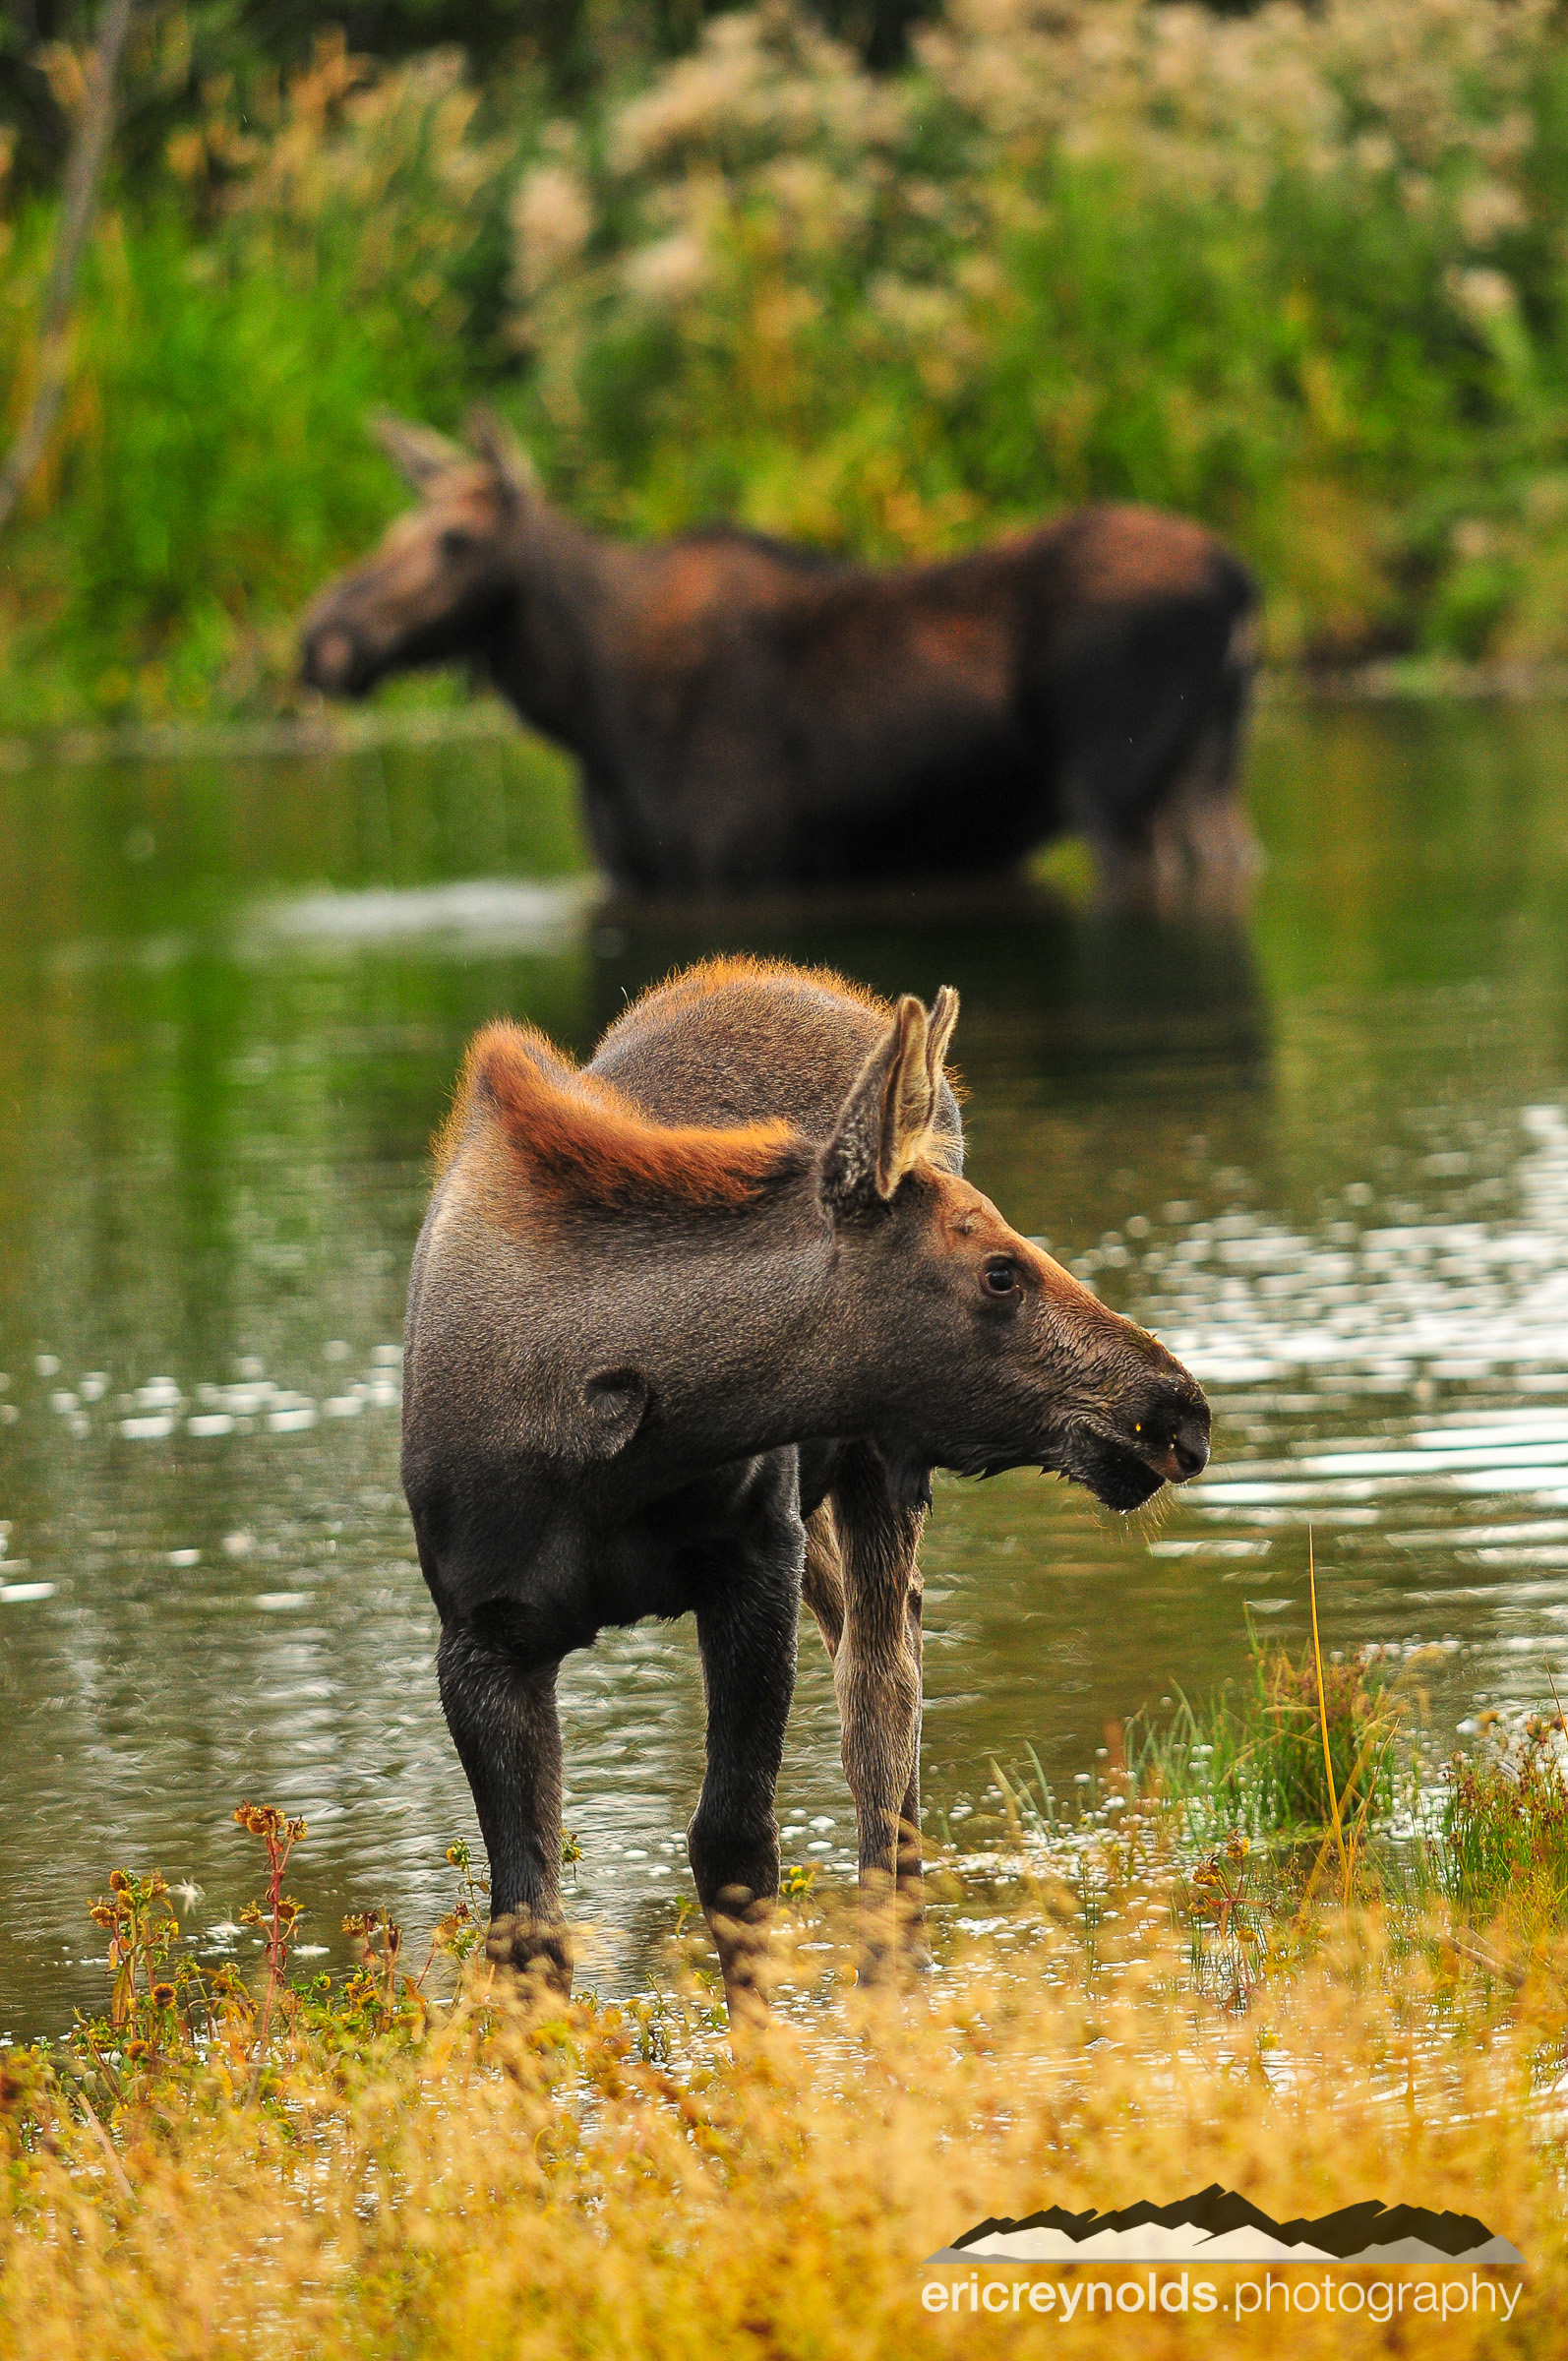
1328, 1160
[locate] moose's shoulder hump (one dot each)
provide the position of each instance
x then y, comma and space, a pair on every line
774, 987
1119, 551
743, 1040
801, 557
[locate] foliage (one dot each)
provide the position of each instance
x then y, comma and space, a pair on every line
502, 2172
1297, 270
1505, 1827
1251, 1758
191, 2025
576, 45
338, 2162
499, 2170
214, 464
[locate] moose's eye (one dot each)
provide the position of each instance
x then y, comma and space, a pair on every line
999, 1278
455, 543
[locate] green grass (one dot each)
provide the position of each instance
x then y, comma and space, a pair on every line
1250, 1761
1232, 1792
1504, 1850
1252, 1758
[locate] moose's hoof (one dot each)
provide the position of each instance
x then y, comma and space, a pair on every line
739, 1921
534, 1949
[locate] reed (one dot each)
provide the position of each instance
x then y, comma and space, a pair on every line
1504, 1853
1299, 1754
438, 2164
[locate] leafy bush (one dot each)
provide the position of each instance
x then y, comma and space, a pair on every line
296, 272
1298, 272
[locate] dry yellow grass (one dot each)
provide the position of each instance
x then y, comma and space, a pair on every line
606, 2181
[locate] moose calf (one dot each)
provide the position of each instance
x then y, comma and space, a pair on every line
751, 714
687, 1330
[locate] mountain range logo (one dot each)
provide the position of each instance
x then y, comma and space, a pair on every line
1217, 2225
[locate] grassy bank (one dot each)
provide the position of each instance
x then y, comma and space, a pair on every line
409, 2156
378, 2172
1298, 272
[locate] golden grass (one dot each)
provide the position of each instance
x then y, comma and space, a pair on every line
500, 2180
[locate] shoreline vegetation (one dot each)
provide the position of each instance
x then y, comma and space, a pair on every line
435, 718
1132, 1999
1300, 272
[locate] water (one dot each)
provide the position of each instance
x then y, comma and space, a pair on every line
1326, 1156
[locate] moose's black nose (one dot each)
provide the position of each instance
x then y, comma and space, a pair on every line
327, 659
1189, 1446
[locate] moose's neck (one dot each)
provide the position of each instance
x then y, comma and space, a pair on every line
742, 1337
544, 658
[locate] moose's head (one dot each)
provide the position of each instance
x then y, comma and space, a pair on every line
439, 586
991, 1355
748, 1287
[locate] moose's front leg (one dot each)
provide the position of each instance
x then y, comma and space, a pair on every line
876, 1677
747, 1631
500, 1709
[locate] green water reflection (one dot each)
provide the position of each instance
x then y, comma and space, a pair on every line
1328, 1156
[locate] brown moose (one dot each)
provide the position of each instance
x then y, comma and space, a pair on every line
750, 714
687, 1331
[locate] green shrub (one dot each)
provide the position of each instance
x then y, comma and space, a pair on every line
213, 467
1298, 272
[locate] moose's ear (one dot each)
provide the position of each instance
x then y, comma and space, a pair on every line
938, 1033
946, 1146
615, 1401
418, 453
581, 1422
884, 1124
494, 442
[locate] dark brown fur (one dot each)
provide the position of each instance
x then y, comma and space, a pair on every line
752, 715
689, 1329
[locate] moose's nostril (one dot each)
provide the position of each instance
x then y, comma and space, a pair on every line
1189, 1445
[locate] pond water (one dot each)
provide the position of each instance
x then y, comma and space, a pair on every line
1326, 1155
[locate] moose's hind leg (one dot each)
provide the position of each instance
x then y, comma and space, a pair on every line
822, 1583
500, 1704
822, 1590
877, 1675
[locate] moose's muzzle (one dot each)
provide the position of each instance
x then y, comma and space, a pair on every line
333, 660
1164, 1440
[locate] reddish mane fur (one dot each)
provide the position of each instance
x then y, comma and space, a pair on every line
579, 1142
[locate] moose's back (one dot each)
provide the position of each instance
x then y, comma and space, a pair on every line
742, 1040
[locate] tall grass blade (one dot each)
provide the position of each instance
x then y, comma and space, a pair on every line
1322, 1724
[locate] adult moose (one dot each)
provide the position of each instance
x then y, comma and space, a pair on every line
750, 714
687, 1331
